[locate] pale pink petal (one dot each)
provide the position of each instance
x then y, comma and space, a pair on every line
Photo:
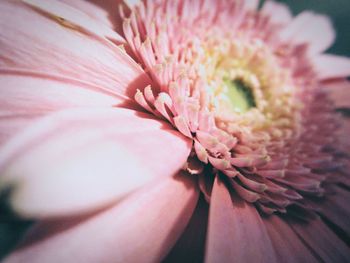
26, 97
278, 12
339, 92
236, 232
313, 29
251, 4
78, 18
77, 160
107, 11
141, 228
34, 41
321, 240
331, 66
289, 248
191, 245
104, 11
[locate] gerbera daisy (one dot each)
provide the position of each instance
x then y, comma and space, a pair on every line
173, 130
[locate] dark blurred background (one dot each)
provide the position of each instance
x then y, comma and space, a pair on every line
337, 10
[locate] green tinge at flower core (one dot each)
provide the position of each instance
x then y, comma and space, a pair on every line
240, 95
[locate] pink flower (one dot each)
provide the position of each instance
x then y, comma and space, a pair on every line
173, 130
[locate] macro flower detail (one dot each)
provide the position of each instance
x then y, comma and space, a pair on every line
239, 93
173, 131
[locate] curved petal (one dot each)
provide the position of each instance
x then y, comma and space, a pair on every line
22, 93
77, 160
331, 66
289, 248
142, 228
339, 92
313, 29
26, 97
106, 11
32, 40
80, 19
321, 240
336, 208
251, 4
191, 245
277, 12
236, 232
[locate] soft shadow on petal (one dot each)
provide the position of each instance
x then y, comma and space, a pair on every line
289, 248
27, 96
236, 232
106, 12
141, 228
335, 208
73, 161
321, 240
33, 41
63, 11
339, 91
191, 245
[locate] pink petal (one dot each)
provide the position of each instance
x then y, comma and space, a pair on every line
313, 29
321, 240
94, 10
278, 12
106, 11
336, 208
25, 97
339, 92
77, 160
34, 41
76, 17
251, 4
142, 228
331, 66
191, 245
289, 248
236, 232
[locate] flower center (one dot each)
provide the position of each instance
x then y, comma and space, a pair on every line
239, 94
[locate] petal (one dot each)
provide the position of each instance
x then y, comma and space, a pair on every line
339, 92
289, 248
33, 41
78, 18
77, 160
109, 12
26, 97
106, 11
331, 66
236, 232
313, 29
278, 12
191, 245
251, 4
321, 240
336, 208
23, 93
142, 228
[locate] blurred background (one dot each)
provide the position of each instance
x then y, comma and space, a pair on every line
337, 10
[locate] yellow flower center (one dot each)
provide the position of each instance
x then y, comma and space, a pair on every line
239, 94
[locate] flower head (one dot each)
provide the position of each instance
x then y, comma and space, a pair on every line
122, 130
